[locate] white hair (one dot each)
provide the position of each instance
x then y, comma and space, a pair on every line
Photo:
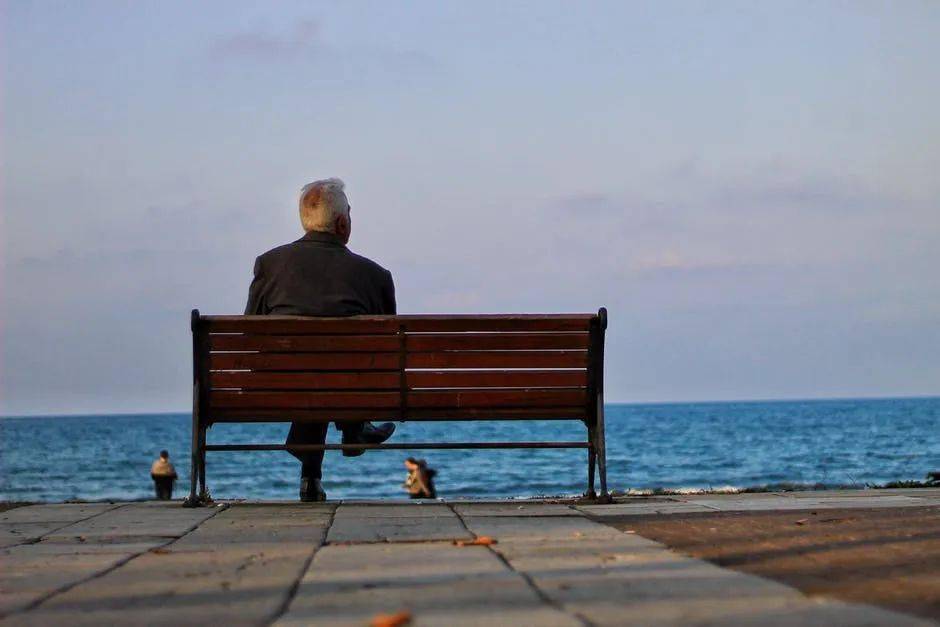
321, 202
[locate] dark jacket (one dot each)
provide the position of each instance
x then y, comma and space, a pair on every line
318, 276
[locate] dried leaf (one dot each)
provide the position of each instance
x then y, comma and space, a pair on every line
480, 541
391, 620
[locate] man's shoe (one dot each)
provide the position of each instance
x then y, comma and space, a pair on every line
311, 490
368, 434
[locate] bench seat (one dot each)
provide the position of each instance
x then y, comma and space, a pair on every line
399, 368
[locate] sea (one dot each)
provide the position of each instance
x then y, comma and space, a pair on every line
651, 447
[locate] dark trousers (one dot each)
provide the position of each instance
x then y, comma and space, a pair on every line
313, 433
308, 433
163, 486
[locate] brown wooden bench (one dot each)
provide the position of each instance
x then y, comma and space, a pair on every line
400, 368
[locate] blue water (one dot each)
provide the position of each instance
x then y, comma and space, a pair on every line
700, 445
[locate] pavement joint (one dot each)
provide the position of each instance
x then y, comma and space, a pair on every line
545, 598
295, 587
38, 539
101, 573
558, 564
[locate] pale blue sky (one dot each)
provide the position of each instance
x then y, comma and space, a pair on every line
750, 188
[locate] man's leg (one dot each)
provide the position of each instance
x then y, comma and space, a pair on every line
163, 489
364, 433
308, 433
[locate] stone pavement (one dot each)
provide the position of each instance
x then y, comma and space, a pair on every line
343, 563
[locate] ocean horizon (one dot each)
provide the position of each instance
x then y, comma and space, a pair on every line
682, 446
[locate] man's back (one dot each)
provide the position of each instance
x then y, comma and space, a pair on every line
318, 276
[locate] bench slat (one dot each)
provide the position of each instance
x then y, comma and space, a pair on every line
271, 414
496, 378
305, 343
303, 361
305, 380
354, 415
418, 399
303, 400
523, 323
499, 359
297, 325
496, 398
496, 341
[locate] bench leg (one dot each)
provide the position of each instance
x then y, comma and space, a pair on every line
193, 500
601, 447
592, 462
203, 493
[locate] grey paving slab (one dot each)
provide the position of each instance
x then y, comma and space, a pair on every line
137, 519
439, 584
102, 538
30, 523
245, 525
158, 563
26, 579
640, 509
411, 510
73, 546
784, 503
623, 579
397, 529
515, 510
544, 530
55, 512
68, 554
395, 523
236, 568
916, 492
12, 534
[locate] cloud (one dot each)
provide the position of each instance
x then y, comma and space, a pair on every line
304, 42
819, 194
587, 203
303, 37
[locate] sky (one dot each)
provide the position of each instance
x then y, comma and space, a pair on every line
751, 189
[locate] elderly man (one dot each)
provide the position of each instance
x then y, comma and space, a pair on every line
318, 276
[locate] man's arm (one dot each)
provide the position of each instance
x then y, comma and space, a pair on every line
389, 307
255, 304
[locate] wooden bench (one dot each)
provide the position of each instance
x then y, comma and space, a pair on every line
399, 368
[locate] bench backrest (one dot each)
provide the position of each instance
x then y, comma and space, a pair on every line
409, 367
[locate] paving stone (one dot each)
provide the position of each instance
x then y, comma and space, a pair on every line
915, 492
71, 546
411, 510
862, 502
55, 513
728, 504
12, 534
515, 510
253, 524
138, 519
439, 584
624, 579
641, 509
28, 524
236, 568
25, 579
545, 529
396, 529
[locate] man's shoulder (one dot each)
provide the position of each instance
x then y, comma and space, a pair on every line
287, 251
367, 264
279, 251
